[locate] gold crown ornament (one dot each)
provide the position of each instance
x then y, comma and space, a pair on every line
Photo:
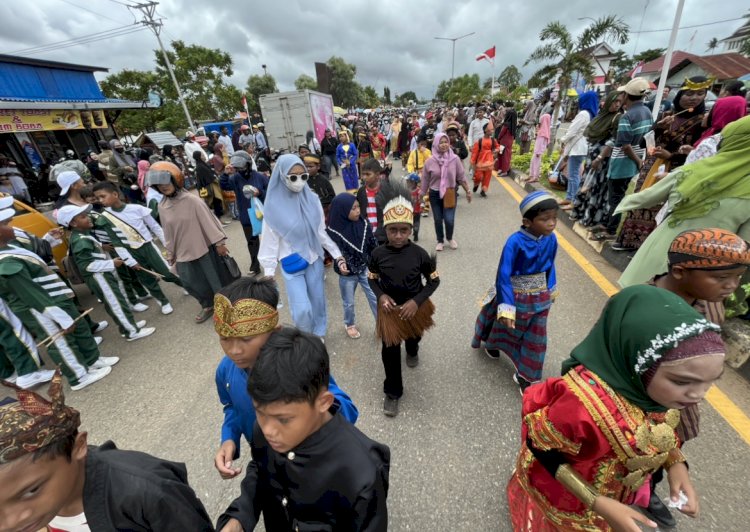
697, 85
398, 211
247, 317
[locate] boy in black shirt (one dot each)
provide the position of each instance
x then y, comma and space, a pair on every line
396, 274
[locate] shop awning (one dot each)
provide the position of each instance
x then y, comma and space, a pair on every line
39, 103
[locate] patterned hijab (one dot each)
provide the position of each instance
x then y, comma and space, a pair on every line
33, 422
702, 184
638, 328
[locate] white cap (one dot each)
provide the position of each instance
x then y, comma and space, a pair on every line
65, 179
68, 212
6, 202
7, 214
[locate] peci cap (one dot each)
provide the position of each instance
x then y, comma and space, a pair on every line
7, 214
635, 87
66, 179
66, 214
6, 202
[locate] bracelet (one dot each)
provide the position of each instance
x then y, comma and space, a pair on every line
575, 484
675, 457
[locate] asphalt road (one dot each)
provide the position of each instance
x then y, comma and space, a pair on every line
455, 441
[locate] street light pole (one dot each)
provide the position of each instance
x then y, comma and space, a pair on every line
453, 51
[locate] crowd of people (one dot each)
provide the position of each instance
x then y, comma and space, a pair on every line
595, 441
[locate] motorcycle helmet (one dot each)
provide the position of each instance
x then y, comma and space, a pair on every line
163, 172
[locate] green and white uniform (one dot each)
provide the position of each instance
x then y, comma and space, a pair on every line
99, 273
45, 305
130, 229
18, 350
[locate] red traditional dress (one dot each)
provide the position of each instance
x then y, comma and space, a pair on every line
378, 146
613, 444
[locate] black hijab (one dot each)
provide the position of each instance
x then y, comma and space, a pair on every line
698, 110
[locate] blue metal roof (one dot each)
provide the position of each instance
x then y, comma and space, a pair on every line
63, 100
40, 83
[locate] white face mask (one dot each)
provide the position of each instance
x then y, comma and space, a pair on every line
294, 186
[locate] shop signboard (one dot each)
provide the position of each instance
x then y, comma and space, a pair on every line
25, 120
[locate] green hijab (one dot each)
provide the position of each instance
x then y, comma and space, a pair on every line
604, 124
637, 327
702, 184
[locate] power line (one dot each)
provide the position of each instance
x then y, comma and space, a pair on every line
693, 26
93, 12
89, 39
74, 39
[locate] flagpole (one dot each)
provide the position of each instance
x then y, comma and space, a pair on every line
667, 59
492, 90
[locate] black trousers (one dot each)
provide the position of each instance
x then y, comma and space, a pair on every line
616, 191
393, 386
253, 246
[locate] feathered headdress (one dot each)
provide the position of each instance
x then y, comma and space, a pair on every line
398, 207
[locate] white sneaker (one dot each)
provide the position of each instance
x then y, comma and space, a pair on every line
439, 246
144, 298
139, 307
105, 362
146, 331
91, 377
98, 339
167, 309
140, 324
34, 379
101, 326
13, 378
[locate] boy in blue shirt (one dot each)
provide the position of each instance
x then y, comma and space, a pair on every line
245, 317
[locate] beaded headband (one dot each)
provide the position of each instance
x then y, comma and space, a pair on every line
398, 211
697, 85
247, 317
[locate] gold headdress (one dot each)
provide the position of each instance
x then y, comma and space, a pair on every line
398, 211
247, 317
689, 85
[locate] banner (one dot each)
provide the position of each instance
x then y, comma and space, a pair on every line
23, 120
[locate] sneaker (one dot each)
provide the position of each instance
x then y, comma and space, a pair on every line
13, 378
100, 326
475, 188
144, 298
91, 377
146, 331
659, 512
453, 244
140, 324
439, 246
34, 379
425, 214
483, 194
167, 309
98, 340
412, 361
522, 383
104, 362
139, 307
390, 406
494, 354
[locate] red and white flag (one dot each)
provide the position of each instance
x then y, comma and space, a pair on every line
637, 70
488, 55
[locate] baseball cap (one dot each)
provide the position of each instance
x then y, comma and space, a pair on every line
6, 202
68, 212
65, 179
244, 127
635, 87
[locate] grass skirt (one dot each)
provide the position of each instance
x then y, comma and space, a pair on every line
393, 330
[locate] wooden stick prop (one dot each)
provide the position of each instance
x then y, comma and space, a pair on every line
155, 274
53, 338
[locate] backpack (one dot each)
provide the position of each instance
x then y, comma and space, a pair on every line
72, 273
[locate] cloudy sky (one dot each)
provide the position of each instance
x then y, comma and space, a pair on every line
391, 41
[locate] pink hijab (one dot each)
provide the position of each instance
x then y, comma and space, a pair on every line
444, 160
544, 126
725, 111
143, 167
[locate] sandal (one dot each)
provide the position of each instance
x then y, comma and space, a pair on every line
353, 332
204, 314
602, 237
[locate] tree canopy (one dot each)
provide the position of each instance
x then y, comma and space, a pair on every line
305, 82
509, 78
258, 85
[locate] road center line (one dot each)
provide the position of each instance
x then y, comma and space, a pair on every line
731, 413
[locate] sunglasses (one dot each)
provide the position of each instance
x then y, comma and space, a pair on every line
303, 177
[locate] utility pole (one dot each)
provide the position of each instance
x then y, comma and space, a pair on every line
453, 53
667, 59
149, 10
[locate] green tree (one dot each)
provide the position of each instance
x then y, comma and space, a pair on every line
387, 95
345, 90
620, 67
510, 78
402, 100
649, 55
441, 93
712, 45
567, 54
305, 82
463, 89
370, 97
134, 85
745, 48
257, 86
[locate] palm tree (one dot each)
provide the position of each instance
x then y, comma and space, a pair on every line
571, 55
712, 45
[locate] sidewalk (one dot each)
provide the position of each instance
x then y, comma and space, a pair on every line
736, 332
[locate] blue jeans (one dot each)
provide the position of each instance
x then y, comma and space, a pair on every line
348, 285
441, 214
307, 298
574, 175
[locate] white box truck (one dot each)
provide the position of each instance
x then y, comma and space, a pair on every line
288, 116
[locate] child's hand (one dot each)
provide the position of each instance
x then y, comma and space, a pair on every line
108, 247
408, 310
508, 322
620, 517
233, 525
137, 267
342, 266
387, 303
118, 262
679, 480
223, 460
